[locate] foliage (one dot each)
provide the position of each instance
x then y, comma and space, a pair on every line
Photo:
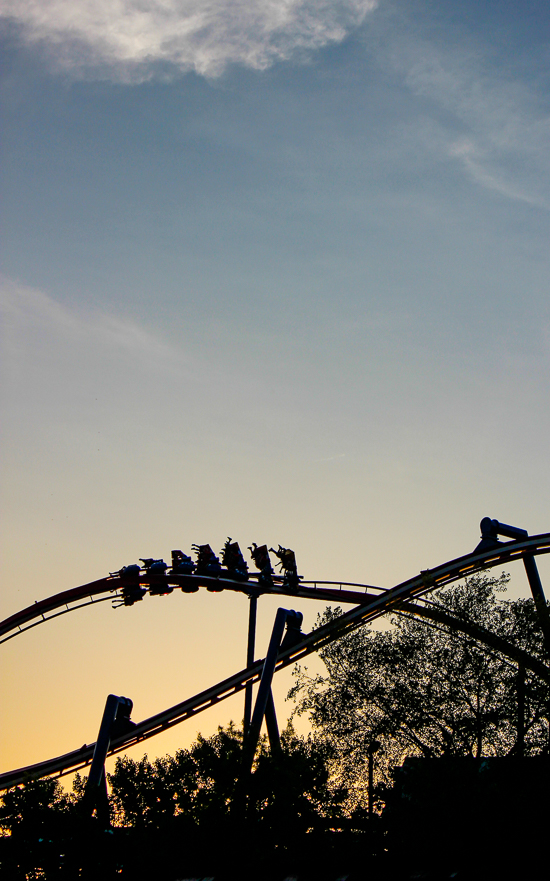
36, 808
202, 783
202, 792
198, 782
293, 788
38, 823
168, 811
417, 689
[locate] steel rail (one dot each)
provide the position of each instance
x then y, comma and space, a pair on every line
41, 609
437, 615
43, 618
373, 608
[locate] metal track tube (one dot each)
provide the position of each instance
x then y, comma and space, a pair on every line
359, 615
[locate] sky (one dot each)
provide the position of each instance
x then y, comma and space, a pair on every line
270, 270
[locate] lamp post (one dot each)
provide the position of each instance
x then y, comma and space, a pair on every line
374, 746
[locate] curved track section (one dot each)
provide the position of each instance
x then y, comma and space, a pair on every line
369, 608
88, 594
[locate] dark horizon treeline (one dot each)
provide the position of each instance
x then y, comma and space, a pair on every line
189, 815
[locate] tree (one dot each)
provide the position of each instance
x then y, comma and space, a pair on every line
35, 809
169, 812
38, 822
198, 782
419, 689
201, 783
176, 806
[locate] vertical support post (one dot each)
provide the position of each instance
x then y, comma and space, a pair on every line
521, 710
264, 690
250, 660
538, 595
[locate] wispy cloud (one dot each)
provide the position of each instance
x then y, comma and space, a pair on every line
28, 313
477, 166
489, 121
128, 39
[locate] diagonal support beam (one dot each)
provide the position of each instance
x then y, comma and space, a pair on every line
538, 595
264, 689
272, 726
490, 529
438, 615
96, 786
264, 705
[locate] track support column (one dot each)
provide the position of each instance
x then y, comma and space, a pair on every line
538, 595
96, 786
490, 529
264, 690
374, 746
264, 705
272, 726
250, 649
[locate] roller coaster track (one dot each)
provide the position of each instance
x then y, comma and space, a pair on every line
369, 605
90, 594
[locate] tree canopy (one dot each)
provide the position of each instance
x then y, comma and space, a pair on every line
420, 689
168, 811
202, 783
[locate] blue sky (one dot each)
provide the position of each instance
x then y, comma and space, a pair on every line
273, 270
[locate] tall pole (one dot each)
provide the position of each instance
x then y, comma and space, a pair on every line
374, 746
521, 709
250, 649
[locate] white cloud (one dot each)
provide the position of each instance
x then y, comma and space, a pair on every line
126, 39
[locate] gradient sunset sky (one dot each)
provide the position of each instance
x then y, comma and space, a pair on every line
271, 270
